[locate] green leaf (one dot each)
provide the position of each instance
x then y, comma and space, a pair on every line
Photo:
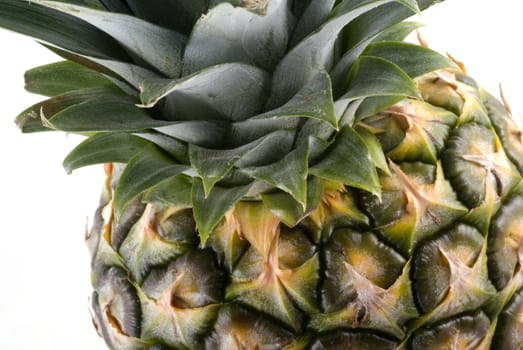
179, 15
346, 110
288, 174
314, 15
376, 104
266, 149
411, 5
209, 210
365, 29
104, 148
251, 129
235, 34
380, 83
341, 73
287, 209
131, 73
145, 170
345, 6
313, 101
349, 161
311, 55
212, 165
30, 120
87, 3
199, 132
231, 91
398, 31
160, 47
374, 76
176, 149
63, 77
389, 14
126, 72
174, 191
317, 144
116, 6
415, 60
375, 149
29, 18
314, 128
105, 114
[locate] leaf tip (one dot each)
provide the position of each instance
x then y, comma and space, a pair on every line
67, 167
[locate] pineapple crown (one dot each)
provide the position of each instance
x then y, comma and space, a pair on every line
220, 101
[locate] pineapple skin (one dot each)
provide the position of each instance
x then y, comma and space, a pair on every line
435, 263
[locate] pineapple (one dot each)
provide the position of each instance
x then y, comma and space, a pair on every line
283, 175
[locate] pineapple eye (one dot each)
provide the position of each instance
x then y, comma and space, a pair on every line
477, 166
177, 225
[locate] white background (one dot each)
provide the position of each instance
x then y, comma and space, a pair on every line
44, 265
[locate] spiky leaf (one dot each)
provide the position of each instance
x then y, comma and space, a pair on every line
413, 59
148, 168
231, 91
373, 76
109, 113
288, 174
311, 55
314, 100
235, 34
160, 47
62, 77
30, 18
104, 148
209, 211
348, 161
